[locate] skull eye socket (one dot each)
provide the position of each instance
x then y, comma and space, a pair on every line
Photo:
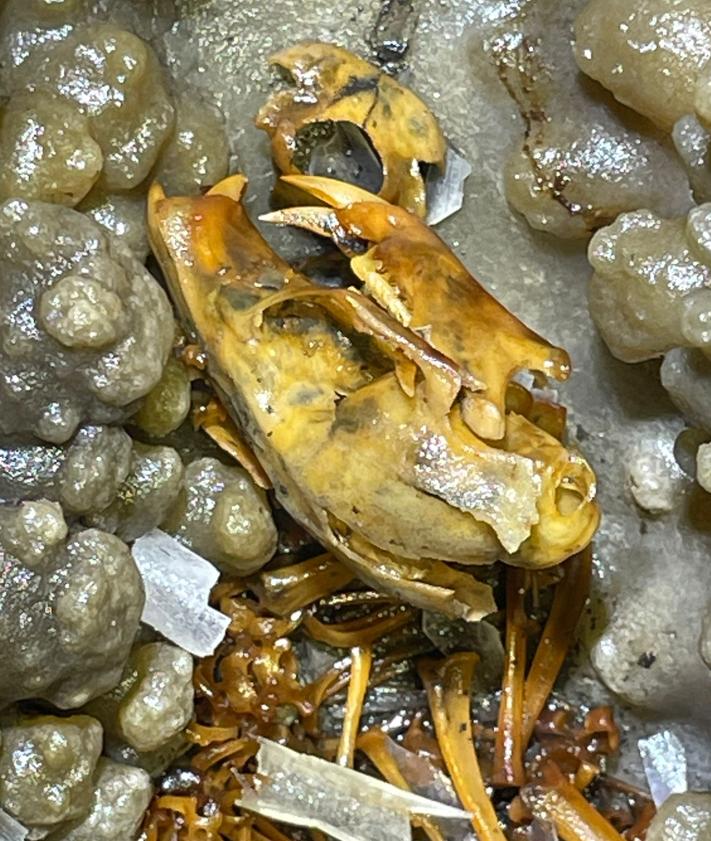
339, 149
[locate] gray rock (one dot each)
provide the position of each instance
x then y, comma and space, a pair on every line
142, 501
683, 817
686, 375
97, 463
649, 56
83, 475
159, 705
153, 702
197, 154
223, 517
84, 330
114, 79
111, 482
167, 405
46, 769
47, 150
154, 762
693, 143
123, 215
648, 651
121, 796
705, 639
27, 26
655, 479
556, 175
69, 607
650, 289
703, 467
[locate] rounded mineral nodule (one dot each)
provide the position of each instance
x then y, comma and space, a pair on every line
153, 702
649, 54
159, 704
69, 607
81, 312
649, 290
114, 79
121, 796
168, 404
682, 817
46, 769
197, 154
85, 331
146, 495
223, 516
97, 462
47, 151
122, 215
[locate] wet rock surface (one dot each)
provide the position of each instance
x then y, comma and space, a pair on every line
650, 291
46, 769
686, 375
583, 159
613, 406
27, 26
650, 54
114, 80
101, 477
84, 474
89, 116
48, 153
69, 607
693, 144
122, 214
683, 817
97, 462
150, 489
223, 517
159, 704
121, 795
167, 405
85, 331
196, 155
153, 702
655, 480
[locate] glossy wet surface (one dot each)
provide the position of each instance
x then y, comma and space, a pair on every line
653, 574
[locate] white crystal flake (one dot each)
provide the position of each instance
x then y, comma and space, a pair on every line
10, 829
664, 761
178, 584
310, 792
445, 191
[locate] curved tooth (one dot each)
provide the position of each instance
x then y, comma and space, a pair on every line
318, 220
331, 191
155, 193
233, 187
322, 221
